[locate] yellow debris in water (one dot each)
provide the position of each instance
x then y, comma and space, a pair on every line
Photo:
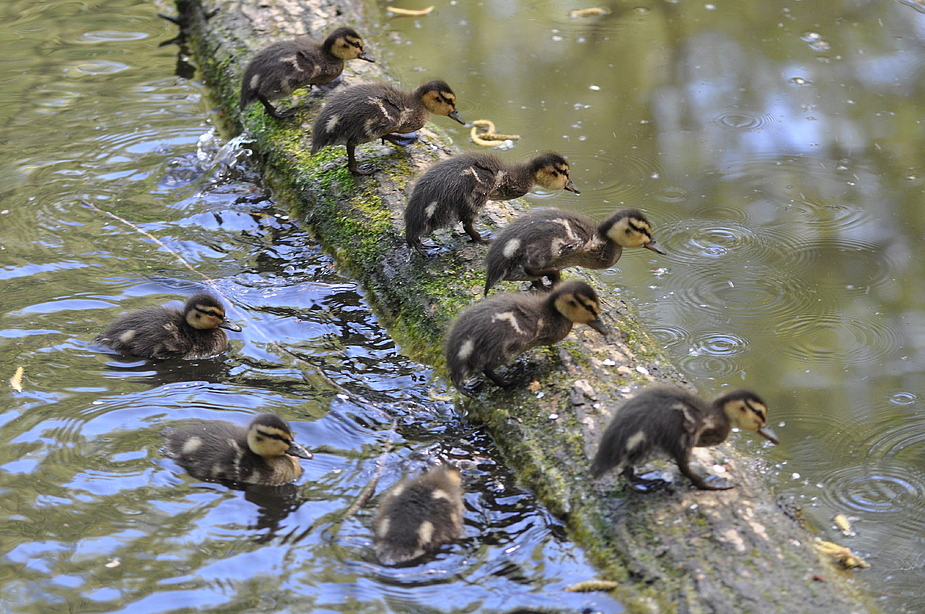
488, 137
843, 556
844, 524
591, 586
393, 10
16, 380
591, 12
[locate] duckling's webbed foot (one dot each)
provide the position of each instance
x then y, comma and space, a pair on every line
330, 85
273, 111
352, 166
474, 235
710, 483
551, 273
641, 484
402, 140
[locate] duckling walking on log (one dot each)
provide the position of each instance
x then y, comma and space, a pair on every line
263, 453
418, 515
491, 332
283, 67
368, 111
669, 421
166, 332
456, 190
541, 242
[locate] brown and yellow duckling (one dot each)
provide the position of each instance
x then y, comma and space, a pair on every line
539, 243
456, 190
283, 67
669, 421
263, 453
418, 515
493, 331
166, 332
369, 111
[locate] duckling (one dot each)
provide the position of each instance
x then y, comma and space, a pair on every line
368, 111
165, 332
283, 67
418, 515
670, 421
263, 453
456, 189
491, 332
541, 242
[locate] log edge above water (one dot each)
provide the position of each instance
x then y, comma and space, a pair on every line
685, 551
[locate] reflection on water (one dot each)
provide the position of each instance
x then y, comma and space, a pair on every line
776, 148
94, 517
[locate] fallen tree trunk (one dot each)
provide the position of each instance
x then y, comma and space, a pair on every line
683, 551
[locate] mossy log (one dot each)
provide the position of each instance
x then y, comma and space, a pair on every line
678, 551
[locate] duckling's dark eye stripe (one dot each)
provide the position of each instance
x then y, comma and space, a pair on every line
758, 411
210, 312
640, 229
268, 435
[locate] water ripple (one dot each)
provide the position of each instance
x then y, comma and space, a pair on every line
836, 339
737, 119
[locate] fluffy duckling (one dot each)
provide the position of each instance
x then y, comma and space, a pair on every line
491, 332
368, 111
165, 332
669, 422
418, 515
263, 453
456, 189
283, 67
541, 242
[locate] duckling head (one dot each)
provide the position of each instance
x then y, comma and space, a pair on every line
551, 171
630, 228
747, 411
346, 44
439, 99
203, 311
578, 302
269, 436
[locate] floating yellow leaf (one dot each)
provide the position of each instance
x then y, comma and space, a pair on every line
16, 380
591, 586
408, 12
842, 555
591, 12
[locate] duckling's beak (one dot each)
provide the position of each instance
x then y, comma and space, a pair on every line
455, 115
363, 56
571, 187
229, 325
297, 450
768, 434
598, 325
655, 247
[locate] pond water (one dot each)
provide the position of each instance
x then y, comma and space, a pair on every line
92, 517
777, 147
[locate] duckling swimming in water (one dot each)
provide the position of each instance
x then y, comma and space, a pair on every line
263, 453
283, 67
368, 111
418, 515
670, 421
166, 332
456, 190
491, 332
541, 242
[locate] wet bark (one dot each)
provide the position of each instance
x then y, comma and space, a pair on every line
683, 550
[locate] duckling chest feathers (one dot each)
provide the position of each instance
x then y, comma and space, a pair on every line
510, 185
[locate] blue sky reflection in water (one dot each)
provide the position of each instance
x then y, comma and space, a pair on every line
95, 519
777, 148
